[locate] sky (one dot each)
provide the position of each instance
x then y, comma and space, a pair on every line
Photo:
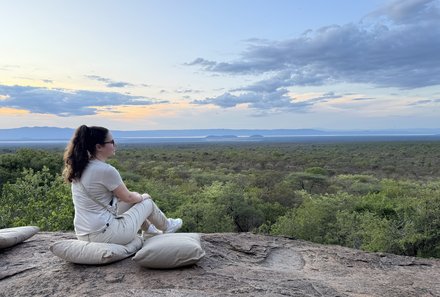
234, 64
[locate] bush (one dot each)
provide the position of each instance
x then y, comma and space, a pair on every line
403, 218
315, 218
37, 198
358, 184
222, 207
12, 164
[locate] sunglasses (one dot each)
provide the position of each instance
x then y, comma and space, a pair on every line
111, 141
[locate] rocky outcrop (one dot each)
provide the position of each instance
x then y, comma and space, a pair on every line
235, 265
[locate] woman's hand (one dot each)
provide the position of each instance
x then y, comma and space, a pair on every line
146, 196
127, 196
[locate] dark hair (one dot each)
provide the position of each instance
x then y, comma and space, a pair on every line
80, 149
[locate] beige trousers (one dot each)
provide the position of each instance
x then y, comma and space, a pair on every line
124, 228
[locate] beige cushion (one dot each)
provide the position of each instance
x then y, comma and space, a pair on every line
12, 236
170, 251
95, 253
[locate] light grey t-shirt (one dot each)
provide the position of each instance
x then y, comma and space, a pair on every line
99, 179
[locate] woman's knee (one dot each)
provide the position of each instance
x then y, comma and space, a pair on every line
147, 206
147, 202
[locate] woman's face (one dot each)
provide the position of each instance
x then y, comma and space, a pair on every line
109, 146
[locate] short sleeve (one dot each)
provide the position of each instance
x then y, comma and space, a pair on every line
112, 178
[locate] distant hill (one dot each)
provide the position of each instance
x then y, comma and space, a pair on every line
34, 133
55, 133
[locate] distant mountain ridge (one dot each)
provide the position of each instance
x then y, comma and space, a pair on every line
55, 133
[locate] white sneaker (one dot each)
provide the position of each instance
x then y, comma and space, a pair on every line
173, 225
153, 230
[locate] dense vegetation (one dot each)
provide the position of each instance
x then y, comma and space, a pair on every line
371, 196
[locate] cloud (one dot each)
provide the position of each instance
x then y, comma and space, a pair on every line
201, 62
65, 102
409, 11
187, 91
110, 83
266, 102
396, 46
362, 99
8, 67
424, 102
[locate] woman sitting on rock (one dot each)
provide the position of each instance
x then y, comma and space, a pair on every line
95, 184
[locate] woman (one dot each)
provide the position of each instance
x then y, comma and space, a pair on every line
94, 183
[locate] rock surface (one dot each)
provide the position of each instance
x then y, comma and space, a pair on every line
235, 265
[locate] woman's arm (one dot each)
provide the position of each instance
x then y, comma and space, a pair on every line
125, 195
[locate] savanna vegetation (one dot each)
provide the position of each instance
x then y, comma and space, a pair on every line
370, 196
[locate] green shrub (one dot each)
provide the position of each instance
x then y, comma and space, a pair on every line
37, 198
403, 218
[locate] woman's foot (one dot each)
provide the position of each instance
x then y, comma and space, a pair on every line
150, 232
173, 225
153, 230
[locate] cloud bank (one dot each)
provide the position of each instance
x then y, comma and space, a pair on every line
65, 102
396, 46
109, 82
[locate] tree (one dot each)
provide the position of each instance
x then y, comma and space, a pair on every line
12, 164
37, 198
